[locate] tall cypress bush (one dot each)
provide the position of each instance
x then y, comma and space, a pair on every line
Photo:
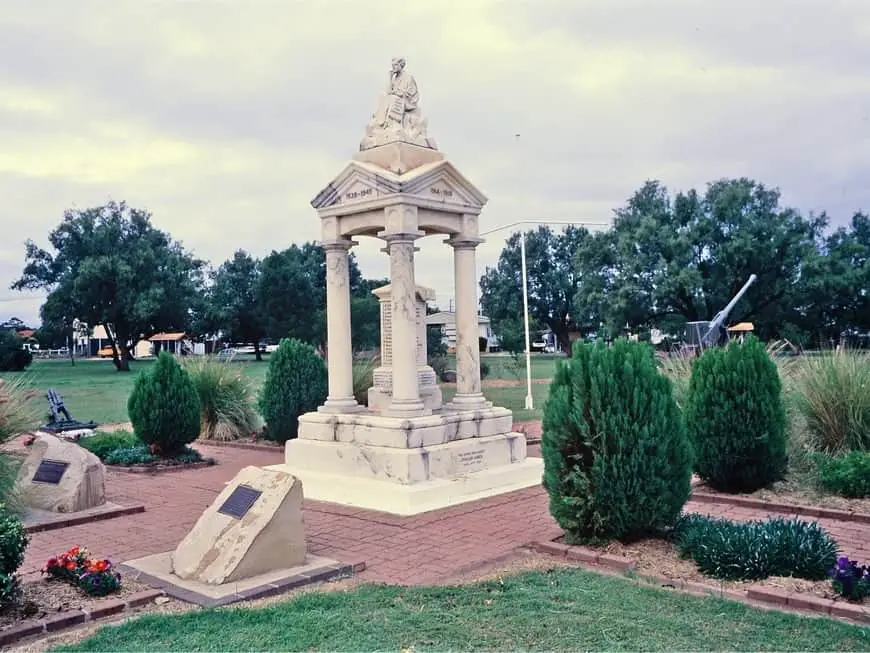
736, 418
296, 383
164, 407
617, 462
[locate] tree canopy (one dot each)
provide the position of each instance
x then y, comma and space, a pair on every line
112, 267
669, 259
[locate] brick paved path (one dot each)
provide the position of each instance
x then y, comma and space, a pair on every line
423, 549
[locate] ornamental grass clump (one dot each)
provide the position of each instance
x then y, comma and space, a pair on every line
756, 549
295, 384
164, 407
833, 396
617, 463
227, 403
736, 418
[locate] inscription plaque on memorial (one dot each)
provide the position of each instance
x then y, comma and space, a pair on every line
50, 471
470, 458
240, 501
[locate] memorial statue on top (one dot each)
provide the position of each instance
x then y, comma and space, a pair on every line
398, 117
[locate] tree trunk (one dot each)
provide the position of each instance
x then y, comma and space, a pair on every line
121, 363
258, 355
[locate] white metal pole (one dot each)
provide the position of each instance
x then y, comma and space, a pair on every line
530, 403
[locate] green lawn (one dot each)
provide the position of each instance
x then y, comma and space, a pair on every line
94, 390
565, 609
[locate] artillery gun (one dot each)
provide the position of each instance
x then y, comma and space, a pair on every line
701, 335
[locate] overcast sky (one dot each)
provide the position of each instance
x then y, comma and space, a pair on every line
226, 118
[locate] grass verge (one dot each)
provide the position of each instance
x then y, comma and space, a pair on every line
558, 610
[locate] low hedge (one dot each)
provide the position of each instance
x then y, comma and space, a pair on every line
756, 549
847, 475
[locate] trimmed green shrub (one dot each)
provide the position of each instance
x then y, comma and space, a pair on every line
164, 407
847, 475
736, 419
102, 444
13, 356
756, 549
296, 383
13, 542
834, 400
227, 403
125, 456
617, 463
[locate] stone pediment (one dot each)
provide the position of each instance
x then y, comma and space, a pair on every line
432, 184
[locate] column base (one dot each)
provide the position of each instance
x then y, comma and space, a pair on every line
341, 406
410, 409
463, 402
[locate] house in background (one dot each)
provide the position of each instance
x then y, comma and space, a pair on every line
447, 321
174, 343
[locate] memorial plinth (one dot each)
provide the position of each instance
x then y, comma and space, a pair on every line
405, 453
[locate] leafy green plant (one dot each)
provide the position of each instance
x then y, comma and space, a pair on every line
295, 384
125, 456
102, 444
13, 543
617, 463
833, 396
736, 418
227, 403
364, 377
756, 549
847, 475
164, 407
13, 356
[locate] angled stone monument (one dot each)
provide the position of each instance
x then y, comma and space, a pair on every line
253, 527
406, 454
60, 476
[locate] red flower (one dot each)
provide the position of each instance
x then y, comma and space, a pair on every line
52, 562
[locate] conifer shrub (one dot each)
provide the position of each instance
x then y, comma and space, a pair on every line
13, 542
617, 463
164, 407
736, 418
296, 383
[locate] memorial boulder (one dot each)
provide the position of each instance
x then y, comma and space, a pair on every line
61, 476
253, 527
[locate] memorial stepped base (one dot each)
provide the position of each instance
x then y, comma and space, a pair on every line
406, 466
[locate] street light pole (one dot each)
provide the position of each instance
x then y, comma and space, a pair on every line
530, 402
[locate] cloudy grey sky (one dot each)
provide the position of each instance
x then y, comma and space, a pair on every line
226, 118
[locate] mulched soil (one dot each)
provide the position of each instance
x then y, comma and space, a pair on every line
45, 597
785, 492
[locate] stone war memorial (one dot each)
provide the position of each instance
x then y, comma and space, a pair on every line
407, 452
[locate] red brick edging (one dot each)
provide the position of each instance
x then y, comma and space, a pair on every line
236, 444
64, 620
760, 594
75, 520
157, 469
781, 507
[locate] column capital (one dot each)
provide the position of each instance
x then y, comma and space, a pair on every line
338, 244
400, 236
459, 241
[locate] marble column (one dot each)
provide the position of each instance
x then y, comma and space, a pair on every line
468, 392
406, 401
339, 353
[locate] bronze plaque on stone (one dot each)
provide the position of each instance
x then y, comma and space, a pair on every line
50, 471
240, 501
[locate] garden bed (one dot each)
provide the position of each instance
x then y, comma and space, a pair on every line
162, 466
243, 443
658, 561
45, 599
791, 498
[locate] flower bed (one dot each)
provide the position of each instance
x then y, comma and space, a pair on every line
122, 450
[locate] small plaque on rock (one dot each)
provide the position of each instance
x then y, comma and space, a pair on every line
50, 471
240, 501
